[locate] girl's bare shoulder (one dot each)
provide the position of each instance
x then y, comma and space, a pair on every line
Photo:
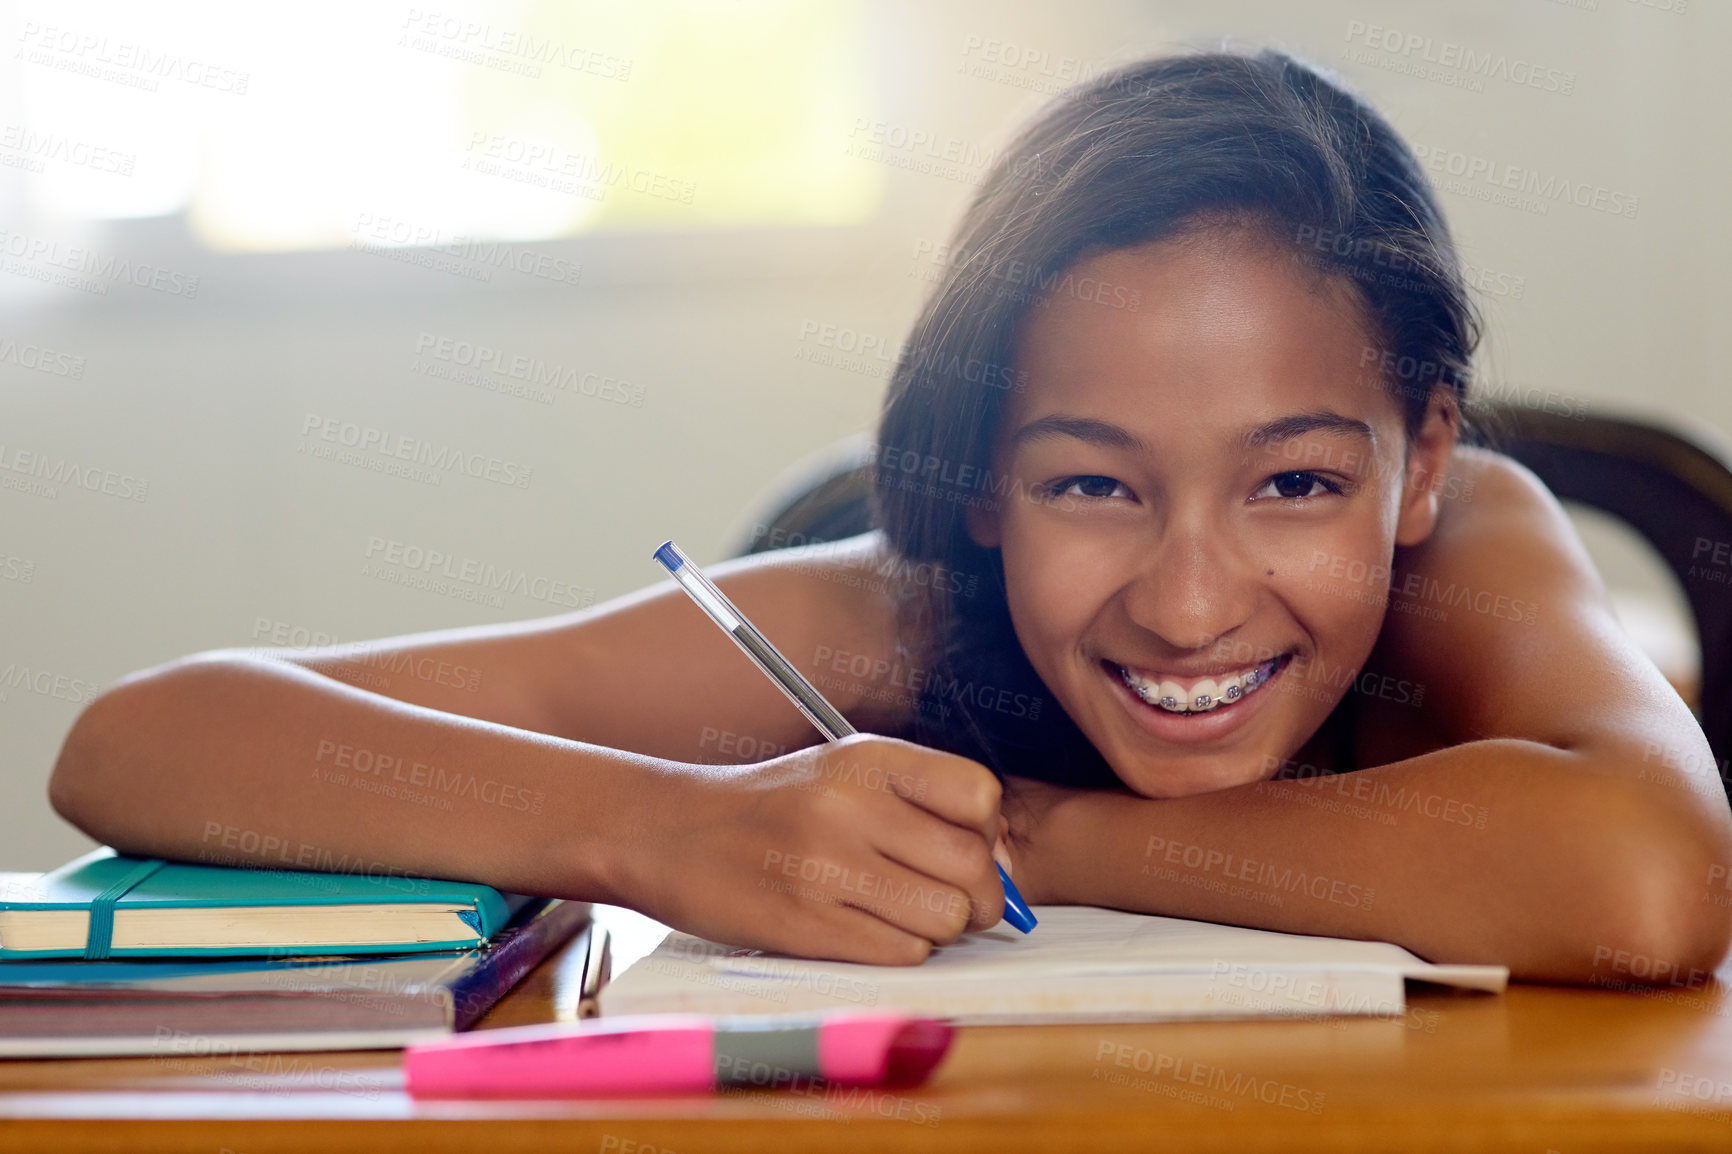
846, 586
1486, 487
1498, 624
851, 639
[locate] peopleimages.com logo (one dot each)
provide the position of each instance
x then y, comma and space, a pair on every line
440, 570
373, 447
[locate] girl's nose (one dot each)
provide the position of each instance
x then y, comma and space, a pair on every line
1192, 588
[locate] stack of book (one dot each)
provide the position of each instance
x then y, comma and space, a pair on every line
121, 955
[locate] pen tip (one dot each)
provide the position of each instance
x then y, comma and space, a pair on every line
1016, 911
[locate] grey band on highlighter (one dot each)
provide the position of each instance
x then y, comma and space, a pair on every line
766, 1056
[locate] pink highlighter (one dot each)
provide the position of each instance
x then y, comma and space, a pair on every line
677, 1053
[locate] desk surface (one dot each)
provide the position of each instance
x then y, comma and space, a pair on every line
1537, 1069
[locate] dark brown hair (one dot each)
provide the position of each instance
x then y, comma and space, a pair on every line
1145, 153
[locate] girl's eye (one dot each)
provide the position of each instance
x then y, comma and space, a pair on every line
1086, 486
1297, 486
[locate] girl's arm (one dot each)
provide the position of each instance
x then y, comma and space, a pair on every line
565, 757
1552, 806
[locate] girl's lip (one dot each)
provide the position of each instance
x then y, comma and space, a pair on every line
1190, 728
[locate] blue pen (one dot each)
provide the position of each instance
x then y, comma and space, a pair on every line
800, 691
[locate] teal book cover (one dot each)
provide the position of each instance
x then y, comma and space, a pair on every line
106, 904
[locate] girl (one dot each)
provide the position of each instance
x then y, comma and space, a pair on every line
1193, 606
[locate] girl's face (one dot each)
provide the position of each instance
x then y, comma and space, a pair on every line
1206, 495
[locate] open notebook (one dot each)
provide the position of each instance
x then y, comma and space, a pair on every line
1082, 964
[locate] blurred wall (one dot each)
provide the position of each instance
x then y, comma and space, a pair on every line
700, 368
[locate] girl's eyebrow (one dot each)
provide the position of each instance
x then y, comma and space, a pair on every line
1297, 425
1110, 436
1089, 429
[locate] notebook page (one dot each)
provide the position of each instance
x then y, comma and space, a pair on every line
1075, 940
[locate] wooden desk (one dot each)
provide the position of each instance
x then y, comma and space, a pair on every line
1535, 1070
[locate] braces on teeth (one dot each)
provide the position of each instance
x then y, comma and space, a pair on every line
1224, 693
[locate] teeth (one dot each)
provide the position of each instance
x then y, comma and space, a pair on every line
1203, 696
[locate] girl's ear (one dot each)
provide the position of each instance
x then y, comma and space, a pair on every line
1428, 454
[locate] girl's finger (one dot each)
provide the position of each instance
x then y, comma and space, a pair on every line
907, 899
960, 791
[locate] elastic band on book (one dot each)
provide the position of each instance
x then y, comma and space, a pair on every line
102, 908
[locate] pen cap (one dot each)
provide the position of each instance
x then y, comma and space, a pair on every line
881, 1049
697, 586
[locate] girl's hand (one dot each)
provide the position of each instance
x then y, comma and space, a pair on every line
869, 849
1029, 839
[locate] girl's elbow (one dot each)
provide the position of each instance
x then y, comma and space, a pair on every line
99, 758
1660, 872
1698, 922
1667, 926
78, 788
1685, 955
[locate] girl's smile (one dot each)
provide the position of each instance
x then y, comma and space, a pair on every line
1202, 694
1199, 710
1179, 470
